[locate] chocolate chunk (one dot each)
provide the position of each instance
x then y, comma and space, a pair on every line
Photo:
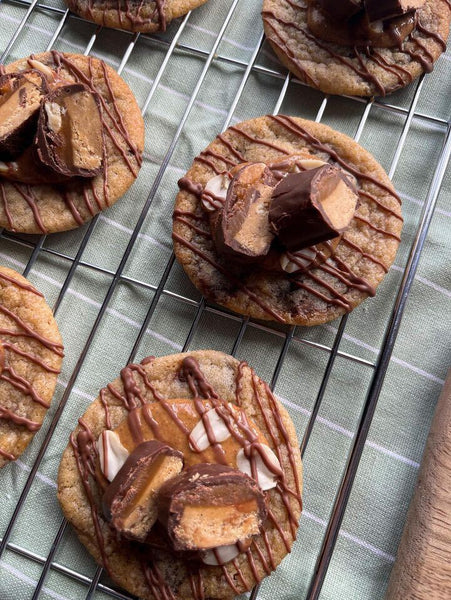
210, 505
69, 136
341, 9
379, 10
359, 31
241, 230
311, 207
20, 99
130, 501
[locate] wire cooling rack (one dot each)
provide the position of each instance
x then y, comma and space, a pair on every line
69, 262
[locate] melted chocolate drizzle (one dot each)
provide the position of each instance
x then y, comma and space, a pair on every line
9, 415
21, 284
86, 455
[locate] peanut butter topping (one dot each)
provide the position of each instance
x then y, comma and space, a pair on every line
174, 422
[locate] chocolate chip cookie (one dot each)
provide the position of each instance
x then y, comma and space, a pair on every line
259, 235
183, 479
133, 15
71, 141
30, 359
357, 47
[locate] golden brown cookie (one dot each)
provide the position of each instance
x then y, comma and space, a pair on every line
133, 15
30, 359
77, 151
321, 283
217, 414
353, 56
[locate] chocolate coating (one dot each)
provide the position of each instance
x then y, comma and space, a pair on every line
20, 97
386, 9
241, 230
341, 9
297, 214
69, 133
124, 503
208, 486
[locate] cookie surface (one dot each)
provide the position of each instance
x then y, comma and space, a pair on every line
30, 359
319, 294
336, 69
153, 572
134, 15
47, 208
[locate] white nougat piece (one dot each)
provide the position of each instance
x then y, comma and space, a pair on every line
112, 454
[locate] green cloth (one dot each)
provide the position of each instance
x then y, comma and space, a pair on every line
373, 522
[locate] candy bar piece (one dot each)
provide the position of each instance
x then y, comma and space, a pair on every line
210, 505
130, 501
385, 9
241, 230
311, 207
69, 136
341, 9
20, 98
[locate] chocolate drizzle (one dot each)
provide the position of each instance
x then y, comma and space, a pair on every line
356, 59
260, 557
193, 188
85, 453
31, 333
9, 415
21, 284
156, 582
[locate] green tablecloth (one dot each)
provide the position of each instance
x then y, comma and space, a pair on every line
373, 522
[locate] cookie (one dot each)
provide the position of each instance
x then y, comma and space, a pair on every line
71, 141
30, 359
225, 508
357, 48
305, 287
135, 15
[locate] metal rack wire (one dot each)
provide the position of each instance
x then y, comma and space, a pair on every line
288, 337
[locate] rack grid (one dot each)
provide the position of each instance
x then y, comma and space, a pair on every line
163, 290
